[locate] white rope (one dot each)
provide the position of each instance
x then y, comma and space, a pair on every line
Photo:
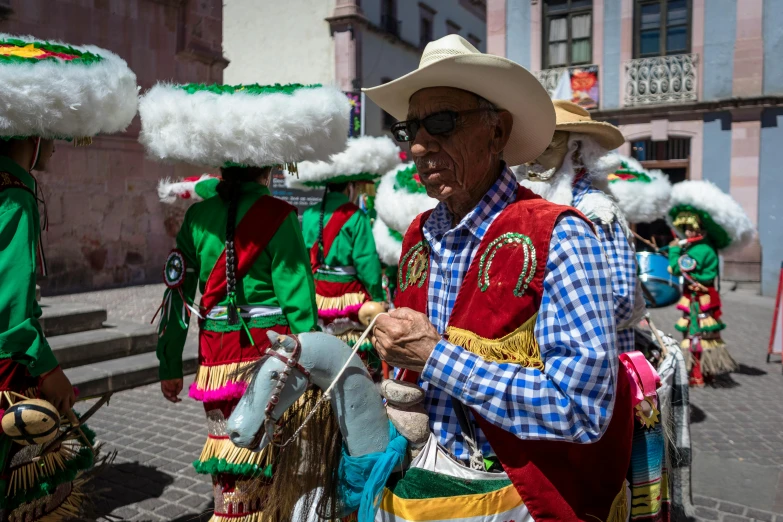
327, 393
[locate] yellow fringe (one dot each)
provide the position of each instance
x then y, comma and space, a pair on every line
27, 475
69, 509
705, 300
520, 346
210, 378
619, 510
683, 322
339, 303
254, 517
707, 322
684, 301
224, 449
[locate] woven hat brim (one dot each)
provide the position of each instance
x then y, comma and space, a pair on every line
506, 84
606, 134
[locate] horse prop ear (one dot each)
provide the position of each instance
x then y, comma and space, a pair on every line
273, 336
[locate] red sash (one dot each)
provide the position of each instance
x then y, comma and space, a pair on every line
252, 235
336, 222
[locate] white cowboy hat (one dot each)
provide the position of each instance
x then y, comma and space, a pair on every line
453, 62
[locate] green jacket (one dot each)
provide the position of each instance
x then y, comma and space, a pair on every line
21, 336
354, 245
280, 277
707, 262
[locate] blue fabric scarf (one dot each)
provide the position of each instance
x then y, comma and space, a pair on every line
362, 479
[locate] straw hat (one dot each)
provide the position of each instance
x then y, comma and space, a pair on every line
573, 118
453, 62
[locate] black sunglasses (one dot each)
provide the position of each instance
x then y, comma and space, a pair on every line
436, 124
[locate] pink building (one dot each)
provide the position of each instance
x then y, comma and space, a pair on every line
695, 85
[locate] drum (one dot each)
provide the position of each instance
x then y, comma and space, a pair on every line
662, 287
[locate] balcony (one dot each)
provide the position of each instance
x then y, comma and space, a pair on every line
582, 89
661, 80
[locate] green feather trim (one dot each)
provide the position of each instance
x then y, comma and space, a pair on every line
395, 235
404, 180
255, 88
718, 236
215, 465
82, 461
212, 325
82, 57
343, 178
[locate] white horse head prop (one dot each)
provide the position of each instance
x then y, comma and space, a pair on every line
281, 378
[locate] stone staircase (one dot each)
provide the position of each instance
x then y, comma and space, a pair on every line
99, 356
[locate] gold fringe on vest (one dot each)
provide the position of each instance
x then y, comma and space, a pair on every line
619, 510
339, 303
210, 378
519, 347
69, 508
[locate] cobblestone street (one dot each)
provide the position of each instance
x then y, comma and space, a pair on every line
737, 428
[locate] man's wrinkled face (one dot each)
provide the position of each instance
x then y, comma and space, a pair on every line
550, 160
450, 164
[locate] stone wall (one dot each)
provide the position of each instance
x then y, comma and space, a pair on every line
106, 226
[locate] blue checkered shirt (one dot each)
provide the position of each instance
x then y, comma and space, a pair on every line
622, 263
573, 397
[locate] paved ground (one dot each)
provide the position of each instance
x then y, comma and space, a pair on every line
737, 429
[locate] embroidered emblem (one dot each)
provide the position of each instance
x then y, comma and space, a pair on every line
414, 266
174, 270
686, 263
515, 240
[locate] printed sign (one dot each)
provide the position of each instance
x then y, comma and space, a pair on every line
584, 86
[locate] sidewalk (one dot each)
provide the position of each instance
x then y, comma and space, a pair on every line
737, 429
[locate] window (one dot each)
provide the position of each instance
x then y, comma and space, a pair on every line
389, 20
474, 40
452, 28
669, 150
662, 27
387, 120
568, 29
426, 24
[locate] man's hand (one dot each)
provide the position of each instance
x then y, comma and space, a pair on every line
405, 338
674, 242
171, 388
57, 389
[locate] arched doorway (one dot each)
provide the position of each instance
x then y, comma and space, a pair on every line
671, 156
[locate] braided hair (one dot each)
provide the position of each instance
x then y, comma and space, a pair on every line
331, 187
230, 191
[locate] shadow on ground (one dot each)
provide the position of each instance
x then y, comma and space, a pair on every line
697, 414
202, 517
110, 486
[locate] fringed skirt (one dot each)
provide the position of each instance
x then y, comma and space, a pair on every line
338, 315
41, 483
705, 352
240, 477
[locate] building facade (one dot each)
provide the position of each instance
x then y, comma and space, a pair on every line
348, 43
106, 226
696, 86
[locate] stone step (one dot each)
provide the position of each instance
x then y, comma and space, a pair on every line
112, 341
60, 318
125, 373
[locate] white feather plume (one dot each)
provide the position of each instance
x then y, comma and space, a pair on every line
171, 191
398, 208
364, 155
721, 207
205, 128
388, 248
642, 202
58, 99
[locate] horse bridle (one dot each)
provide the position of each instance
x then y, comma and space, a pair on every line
291, 362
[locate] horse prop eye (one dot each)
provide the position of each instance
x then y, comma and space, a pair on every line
273, 375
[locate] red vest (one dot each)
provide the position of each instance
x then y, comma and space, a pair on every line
494, 316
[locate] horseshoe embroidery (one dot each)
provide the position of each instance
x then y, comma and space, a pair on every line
513, 239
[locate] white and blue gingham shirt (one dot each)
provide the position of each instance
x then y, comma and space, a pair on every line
622, 263
573, 397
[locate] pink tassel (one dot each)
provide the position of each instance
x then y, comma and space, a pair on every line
333, 313
232, 390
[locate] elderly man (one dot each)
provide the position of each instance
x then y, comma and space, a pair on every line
505, 302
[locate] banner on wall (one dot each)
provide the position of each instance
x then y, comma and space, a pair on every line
584, 86
355, 124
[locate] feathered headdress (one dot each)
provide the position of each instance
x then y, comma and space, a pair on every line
365, 159
720, 216
59, 91
191, 189
642, 195
244, 125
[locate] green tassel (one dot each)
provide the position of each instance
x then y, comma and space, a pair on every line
233, 309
